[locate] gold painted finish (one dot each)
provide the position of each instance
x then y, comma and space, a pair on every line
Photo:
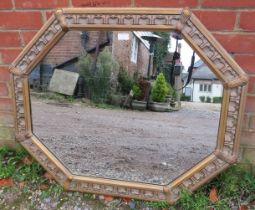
205, 45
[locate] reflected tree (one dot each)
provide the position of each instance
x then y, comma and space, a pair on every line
161, 50
99, 81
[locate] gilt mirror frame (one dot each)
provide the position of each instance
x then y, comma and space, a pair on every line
122, 19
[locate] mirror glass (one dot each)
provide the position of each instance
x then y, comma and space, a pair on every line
128, 105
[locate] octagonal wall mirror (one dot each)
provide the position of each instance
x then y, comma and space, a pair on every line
137, 103
95, 127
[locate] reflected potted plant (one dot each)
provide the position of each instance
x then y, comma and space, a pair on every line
171, 96
139, 91
159, 92
137, 102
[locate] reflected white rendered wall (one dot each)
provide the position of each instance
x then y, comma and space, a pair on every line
217, 90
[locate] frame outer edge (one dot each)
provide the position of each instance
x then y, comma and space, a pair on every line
211, 176
191, 171
61, 18
185, 15
123, 10
228, 159
14, 103
208, 178
243, 80
232, 63
41, 55
44, 165
32, 42
208, 62
51, 157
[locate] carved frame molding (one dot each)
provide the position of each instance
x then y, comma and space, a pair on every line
206, 46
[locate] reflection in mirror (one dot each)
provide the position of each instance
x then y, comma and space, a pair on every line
131, 105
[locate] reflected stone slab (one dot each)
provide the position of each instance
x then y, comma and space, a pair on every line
63, 82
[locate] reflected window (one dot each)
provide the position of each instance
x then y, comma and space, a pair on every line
134, 50
201, 87
209, 88
205, 88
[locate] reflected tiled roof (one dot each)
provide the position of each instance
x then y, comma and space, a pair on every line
139, 34
202, 71
198, 63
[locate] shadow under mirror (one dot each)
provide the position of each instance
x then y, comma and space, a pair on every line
130, 105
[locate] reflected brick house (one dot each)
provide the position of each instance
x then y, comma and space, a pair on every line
67, 48
65, 54
75, 44
129, 49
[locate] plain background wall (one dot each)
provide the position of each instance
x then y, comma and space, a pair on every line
232, 22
